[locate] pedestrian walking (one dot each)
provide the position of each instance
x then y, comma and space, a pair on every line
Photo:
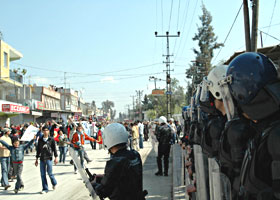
5, 158
45, 150
141, 134
78, 141
17, 156
135, 136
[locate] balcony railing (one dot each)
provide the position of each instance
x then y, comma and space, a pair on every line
16, 77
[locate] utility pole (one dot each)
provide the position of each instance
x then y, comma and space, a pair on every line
133, 108
155, 80
139, 95
65, 91
255, 21
128, 110
168, 78
247, 25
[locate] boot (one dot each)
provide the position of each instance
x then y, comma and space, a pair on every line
159, 164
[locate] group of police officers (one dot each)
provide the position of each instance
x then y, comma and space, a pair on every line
232, 133
234, 122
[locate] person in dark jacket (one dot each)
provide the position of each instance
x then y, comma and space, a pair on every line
164, 137
123, 172
45, 150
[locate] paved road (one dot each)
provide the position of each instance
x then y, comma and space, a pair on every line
70, 185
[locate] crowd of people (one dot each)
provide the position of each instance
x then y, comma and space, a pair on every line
53, 136
233, 121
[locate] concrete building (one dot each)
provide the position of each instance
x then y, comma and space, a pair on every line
10, 84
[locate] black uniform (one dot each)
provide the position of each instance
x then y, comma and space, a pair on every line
260, 175
210, 141
123, 177
233, 145
164, 136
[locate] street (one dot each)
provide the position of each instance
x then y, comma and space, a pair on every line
70, 185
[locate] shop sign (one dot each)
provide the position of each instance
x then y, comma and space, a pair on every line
15, 108
157, 92
40, 105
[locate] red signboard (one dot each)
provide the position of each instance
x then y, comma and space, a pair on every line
40, 105
15, 108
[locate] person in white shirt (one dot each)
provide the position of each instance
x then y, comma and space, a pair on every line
141, 134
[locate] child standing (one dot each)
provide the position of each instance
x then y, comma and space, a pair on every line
17, 155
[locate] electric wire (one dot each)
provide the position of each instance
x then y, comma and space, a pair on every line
170, 16
88, 74
185, 14
229, 31
271, 19
178, 17
188, 31
270, 25
270, 35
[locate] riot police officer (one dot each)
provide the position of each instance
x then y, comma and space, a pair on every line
253, 84
210, 92
164, 137
123, 172
236, 133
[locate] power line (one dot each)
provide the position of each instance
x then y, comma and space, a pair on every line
137, 76
178, 14
271, 18
271, 25
185, 13
186, 39
88, 74
170, 14
229, 31
269, 35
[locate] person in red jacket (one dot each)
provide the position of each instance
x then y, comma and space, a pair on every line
99, 136
78, 140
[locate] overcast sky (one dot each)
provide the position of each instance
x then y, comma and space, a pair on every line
108, 48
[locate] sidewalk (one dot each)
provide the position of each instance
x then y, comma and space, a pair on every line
159, 187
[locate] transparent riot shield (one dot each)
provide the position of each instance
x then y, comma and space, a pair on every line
213, 166
201, 185
221, 186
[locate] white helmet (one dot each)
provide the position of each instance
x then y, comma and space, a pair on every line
171, 119
114, 134
214, 76
162, 119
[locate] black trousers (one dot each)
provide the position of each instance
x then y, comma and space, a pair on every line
163, 151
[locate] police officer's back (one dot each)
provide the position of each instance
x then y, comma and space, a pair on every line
123, 172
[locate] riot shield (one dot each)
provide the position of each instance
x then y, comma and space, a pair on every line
213, 187
221, 186
201, 185
83, 173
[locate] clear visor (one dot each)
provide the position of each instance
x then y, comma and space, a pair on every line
198, 114
197, 94
192, 108
204, 94
227, 98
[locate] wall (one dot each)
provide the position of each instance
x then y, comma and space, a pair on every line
4, 71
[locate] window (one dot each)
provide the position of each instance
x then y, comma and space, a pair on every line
5, 59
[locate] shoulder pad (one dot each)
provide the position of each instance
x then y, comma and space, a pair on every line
274, 141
